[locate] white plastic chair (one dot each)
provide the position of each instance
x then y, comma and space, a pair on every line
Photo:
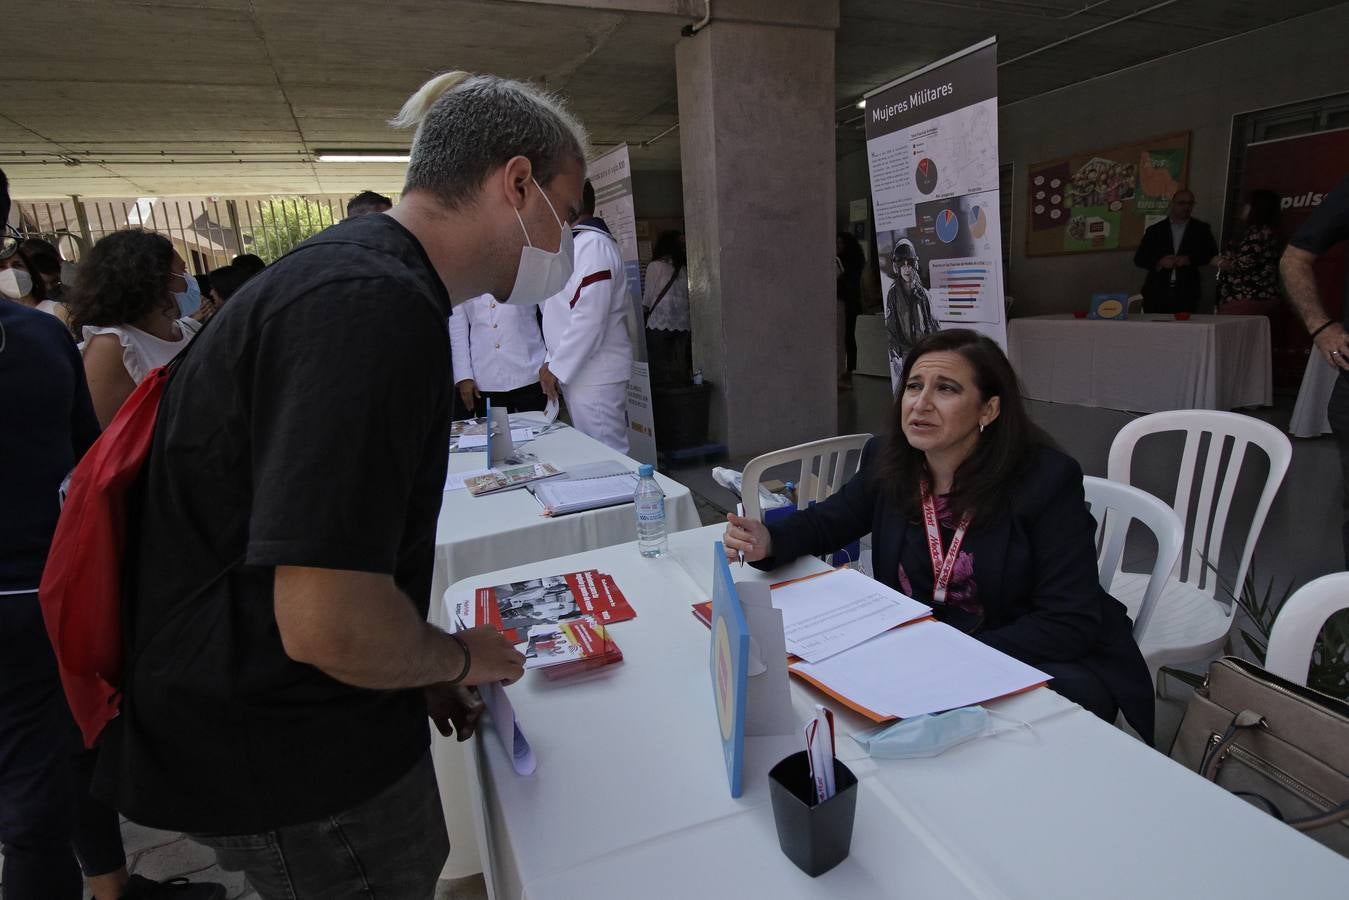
1188, 623
825, 466
1134, 304
1115, 506
1291, 640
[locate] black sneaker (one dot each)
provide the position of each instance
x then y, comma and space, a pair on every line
142, 888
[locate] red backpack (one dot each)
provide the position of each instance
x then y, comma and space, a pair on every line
81, 590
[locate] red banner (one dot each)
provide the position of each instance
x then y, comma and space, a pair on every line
1301, 170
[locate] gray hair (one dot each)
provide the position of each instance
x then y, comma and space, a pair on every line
469, 125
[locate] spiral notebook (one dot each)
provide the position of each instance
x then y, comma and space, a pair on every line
589, 486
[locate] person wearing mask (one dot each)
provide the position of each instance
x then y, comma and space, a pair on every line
50, 826
1248, 276
1172, 252
497, 350
666, 301
282, 669
367, 202
585, 328
849, 262
972, 510
1327, 226
224, 282
47, 261
126, 310
21, 282
249, 263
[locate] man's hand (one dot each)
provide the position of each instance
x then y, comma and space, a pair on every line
548, 382
493, 657
455, 709
468, 392
1166, 262
1334, 346
1182, 261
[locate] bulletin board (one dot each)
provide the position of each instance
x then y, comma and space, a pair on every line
1105, 199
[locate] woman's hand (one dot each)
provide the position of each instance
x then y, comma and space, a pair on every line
749, 536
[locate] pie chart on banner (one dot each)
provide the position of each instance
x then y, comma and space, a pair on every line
925, 175
978, 222
948, 226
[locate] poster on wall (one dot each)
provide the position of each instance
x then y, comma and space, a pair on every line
611, 176
932, 152
1103, 200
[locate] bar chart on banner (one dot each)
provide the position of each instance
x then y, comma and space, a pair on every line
965, 290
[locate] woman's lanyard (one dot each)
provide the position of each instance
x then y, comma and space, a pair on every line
943, 562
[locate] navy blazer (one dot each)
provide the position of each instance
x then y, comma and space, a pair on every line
1035, 566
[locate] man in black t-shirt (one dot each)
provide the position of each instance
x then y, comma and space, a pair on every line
281, 668
1326, 227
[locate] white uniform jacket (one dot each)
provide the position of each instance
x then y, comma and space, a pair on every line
585, 326
496, 344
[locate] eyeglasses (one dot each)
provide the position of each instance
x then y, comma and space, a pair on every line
9, 242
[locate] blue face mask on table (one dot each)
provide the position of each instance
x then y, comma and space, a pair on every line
930, 735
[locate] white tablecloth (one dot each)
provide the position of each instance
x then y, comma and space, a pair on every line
1145, 364
483, 534
1309, 417
630, 796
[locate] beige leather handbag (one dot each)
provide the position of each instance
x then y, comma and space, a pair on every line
1281, 746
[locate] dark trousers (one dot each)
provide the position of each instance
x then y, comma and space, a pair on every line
1081, 685
1170, 299
391, 846
47, 815
529, 398
850, 313
1338, 413
670, 356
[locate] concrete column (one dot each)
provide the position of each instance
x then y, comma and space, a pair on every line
756, 132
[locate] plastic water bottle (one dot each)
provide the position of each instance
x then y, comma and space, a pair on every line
650, 503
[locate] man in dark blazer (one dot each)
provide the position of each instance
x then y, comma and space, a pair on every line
1172, 252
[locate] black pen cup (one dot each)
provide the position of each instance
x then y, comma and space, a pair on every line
815, 836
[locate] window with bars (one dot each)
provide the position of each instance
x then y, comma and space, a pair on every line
208, 232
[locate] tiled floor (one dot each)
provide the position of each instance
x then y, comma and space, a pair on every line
1300, 541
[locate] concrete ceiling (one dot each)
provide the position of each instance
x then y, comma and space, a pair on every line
190, 97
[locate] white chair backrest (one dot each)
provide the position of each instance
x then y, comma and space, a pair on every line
825, 466
1115, 505
1214, 499
1300, 619
1134, 303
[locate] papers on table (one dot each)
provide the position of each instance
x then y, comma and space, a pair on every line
454, 481
590, 486
479, 441
920, 668
825, 615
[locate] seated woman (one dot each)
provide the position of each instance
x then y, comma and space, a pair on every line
972, 510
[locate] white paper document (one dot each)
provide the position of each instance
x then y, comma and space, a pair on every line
921, 668
826, 615
507, 728
479, 441
454, 481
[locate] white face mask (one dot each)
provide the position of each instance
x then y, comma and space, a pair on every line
542, 274
189, 301
15, 283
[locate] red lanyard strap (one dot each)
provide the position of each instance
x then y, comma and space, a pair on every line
943, 561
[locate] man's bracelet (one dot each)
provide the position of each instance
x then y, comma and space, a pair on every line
1322, 328
468, 659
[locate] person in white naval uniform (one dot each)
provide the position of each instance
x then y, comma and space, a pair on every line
497, 350
585, 327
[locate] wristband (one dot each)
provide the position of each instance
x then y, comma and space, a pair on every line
1322, 328
468, 659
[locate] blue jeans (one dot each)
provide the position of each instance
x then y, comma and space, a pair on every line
391, 847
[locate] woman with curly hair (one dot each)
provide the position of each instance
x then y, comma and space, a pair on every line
125, 310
